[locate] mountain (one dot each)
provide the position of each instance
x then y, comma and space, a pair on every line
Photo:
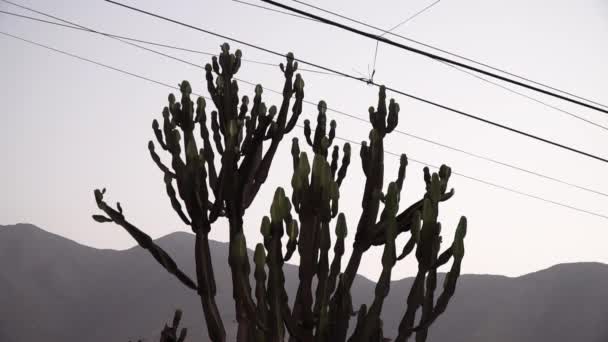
53, 289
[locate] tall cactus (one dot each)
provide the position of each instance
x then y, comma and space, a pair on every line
200, 193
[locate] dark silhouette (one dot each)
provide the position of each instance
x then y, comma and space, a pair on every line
238, 136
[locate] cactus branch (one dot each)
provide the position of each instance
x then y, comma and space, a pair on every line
144, 241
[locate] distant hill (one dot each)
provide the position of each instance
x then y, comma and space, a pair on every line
53, 289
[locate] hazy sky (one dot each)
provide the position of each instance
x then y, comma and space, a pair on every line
69, 126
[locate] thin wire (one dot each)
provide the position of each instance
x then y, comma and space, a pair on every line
370, 78
397, 131
410, 18
453, 110
527, 97
75, 26
449, 53
395, 27
273, 10
432, 55
337, 137
92, 61
495, 185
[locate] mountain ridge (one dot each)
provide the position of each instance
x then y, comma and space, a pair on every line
56, 289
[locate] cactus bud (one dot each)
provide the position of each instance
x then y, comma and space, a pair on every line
458, 244
185, 88
265, 227
259, 256
435, 191
200, 103
304, 165
341, 228
262, 109
322, 107
298, 84
279, 210
272, 111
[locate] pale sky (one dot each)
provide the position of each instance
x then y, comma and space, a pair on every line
70, 126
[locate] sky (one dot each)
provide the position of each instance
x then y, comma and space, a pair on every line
69, 126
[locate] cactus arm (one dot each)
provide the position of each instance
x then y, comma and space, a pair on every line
322, 268
307, 132
169, 334
292, 243
341, 231
217, 137
360, 325
158, 133
174, 201
158, 162
296, 110
288, 70
449, 285
444, 258
142, 239
345, 163
414, 300
334, 161
207, 287
260, 291
209, 155
371, 324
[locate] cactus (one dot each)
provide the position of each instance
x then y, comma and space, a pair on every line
169, 333
245, 137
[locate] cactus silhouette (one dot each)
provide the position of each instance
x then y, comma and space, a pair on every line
246, 138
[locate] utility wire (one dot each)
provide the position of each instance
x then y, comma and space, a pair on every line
578, 117
92, 61
448, 52
433, 56
438, 105
75, 26
410, 18
351, 116
475, 179
491, 184
389, 31
273, 10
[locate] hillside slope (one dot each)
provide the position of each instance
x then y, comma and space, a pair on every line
54, 289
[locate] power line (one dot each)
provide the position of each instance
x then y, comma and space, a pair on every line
410, 18
491, 184
491, 160
433, 56
92, 61
578, 117
449, 53
453, 110
273, 10
75, 26
481, 181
